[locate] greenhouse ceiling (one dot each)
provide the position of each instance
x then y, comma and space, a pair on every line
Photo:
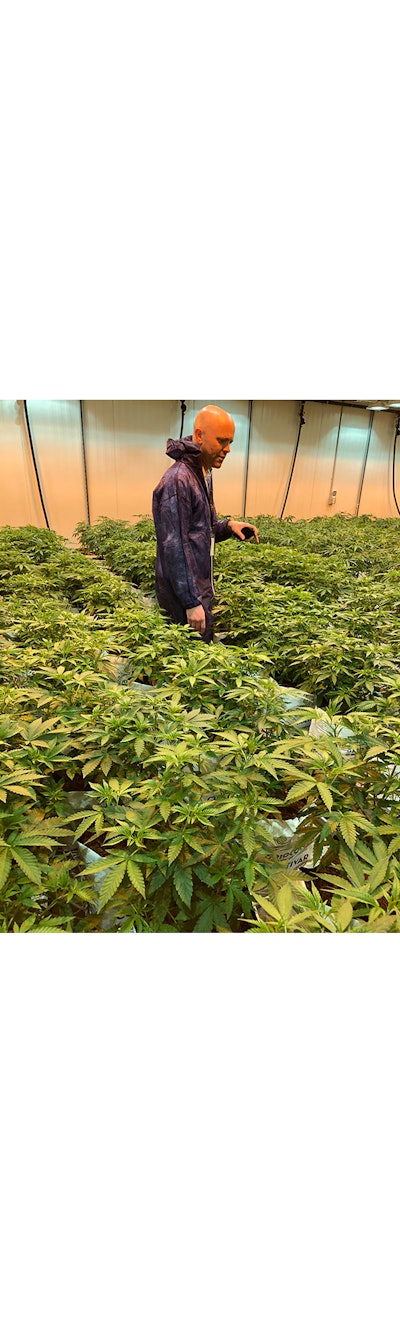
371, 404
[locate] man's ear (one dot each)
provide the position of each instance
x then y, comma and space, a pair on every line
197, 435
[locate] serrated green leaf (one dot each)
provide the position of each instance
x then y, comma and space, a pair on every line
228, 805
248, 839
348, 831
344, 890
28, 863
139, 746
378, 874
85, 824
103, 863
87, 895
21, 791
249, 874
204, 875
379, 847
393, 847
5, 866
111, 884
136, 877
299, 789
352, 868
26, 925
269, 767
173, 850
267, 906
90, 766
385, 921
343, 914
193, 842
183, 880
325, 794
284, 900
44, 928
165, 809
366, 852
205, 921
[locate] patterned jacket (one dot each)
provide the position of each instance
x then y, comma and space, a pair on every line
185, 520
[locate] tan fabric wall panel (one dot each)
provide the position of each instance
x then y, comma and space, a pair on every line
56, 433
125, 446
377, 491
311, 481
274, 427
326, 459
349, 459
19, 499
228, 483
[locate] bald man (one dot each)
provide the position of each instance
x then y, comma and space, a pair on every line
186, 522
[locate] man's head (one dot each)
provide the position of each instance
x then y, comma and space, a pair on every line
213, 431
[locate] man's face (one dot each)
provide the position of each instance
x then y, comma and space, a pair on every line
215, 440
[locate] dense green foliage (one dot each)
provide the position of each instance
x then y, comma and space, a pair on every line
129, 550
180, 764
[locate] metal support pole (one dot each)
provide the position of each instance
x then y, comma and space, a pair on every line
246, 466
330, 501
33, 456
364, 464
84, 463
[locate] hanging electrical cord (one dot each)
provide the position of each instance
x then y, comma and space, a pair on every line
84, 464
31, 446
183, 410
397, 433
301, 424
364, 464
246, 466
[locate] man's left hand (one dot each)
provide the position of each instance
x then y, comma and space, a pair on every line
237, 528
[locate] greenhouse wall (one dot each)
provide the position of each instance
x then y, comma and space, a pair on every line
63, 461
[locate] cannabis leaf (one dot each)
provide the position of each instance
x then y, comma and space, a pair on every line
183, 880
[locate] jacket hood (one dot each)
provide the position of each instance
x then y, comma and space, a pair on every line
180, 449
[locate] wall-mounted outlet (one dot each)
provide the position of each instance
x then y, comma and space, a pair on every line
332, 498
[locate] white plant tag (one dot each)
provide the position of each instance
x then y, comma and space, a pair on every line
212, 549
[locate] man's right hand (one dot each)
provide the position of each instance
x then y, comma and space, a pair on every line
196, 618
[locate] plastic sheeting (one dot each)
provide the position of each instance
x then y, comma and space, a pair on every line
377, 492
352, 443
19, 497
57, 439
330, 458
125, 446
274, 427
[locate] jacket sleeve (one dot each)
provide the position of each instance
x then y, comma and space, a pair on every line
173, 522
220, 527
